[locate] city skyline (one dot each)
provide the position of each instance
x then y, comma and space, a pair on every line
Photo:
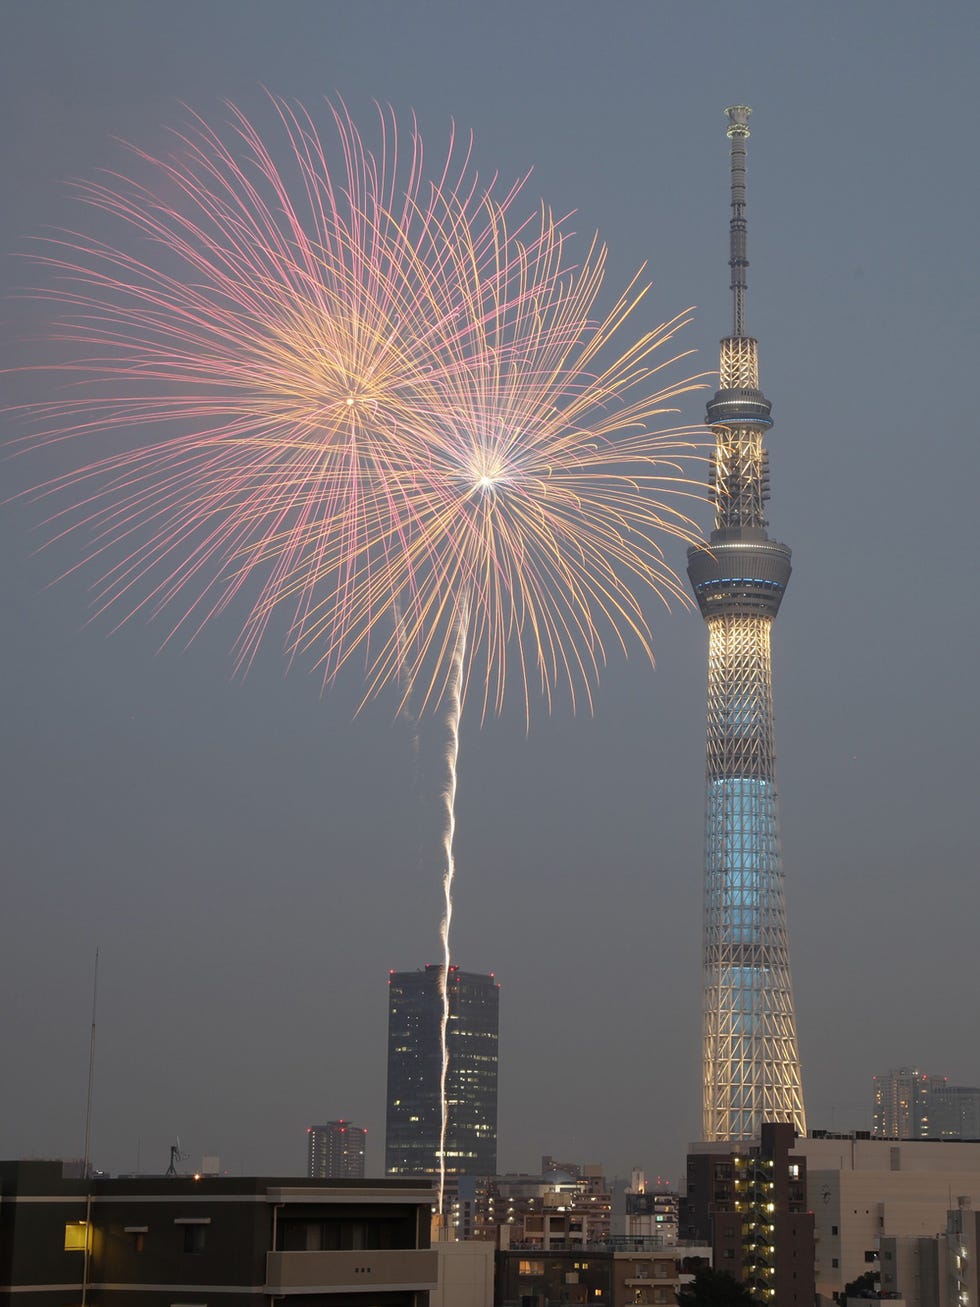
252, 858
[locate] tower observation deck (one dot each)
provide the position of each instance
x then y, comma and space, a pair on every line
750, 1060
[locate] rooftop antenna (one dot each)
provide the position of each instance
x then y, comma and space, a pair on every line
175, 1156
86, 1157
91, 1072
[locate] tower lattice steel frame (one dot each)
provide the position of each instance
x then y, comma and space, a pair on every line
750, 1061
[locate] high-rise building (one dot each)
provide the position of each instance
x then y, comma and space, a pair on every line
335, 1151
955, 1111
901, 1104
414, 1112
750, 1060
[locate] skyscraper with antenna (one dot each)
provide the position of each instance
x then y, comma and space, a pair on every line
750, 1060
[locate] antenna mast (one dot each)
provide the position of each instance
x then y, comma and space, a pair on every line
738, 132
86, 1159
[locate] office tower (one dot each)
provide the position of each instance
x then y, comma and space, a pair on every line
335, 1151
414, 1071
750, 1062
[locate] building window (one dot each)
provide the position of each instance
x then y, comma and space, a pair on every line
194, 1238
833, 1229
78, 1237
835, 1262
527, 1266
137, 1235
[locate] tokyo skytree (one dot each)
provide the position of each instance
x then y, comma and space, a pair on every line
750, 1060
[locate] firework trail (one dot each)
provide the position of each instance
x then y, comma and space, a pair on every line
454, 710
376, 402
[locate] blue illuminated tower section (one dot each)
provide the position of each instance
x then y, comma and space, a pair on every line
750, 1060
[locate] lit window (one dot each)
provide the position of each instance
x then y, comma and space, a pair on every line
78, 1237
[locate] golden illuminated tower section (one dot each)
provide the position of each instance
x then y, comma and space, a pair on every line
750, 1061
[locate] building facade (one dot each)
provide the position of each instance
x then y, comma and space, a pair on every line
335, 1151
624, 1273
144, 1241
414, 1106
863, 1191
936, 1270
750, 1058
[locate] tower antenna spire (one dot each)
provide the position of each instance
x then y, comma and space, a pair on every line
738, 133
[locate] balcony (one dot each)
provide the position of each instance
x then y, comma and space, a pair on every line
406, 1269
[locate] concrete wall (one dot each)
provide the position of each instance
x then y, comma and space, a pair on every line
854, 1209
465, 1275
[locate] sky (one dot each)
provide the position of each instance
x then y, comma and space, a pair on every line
251, 858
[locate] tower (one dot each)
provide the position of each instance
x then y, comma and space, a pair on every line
335, 1151
750, 1062
414, 1070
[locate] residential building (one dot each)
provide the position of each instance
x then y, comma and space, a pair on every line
335, 1151
557, 1209
414, 1109
901, 1104
239, 1242
621, 1274
651, 1213
749, 1201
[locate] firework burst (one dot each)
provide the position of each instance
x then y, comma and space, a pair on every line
264, 339
534, 497
378, 402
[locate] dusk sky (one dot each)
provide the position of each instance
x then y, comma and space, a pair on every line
252, 858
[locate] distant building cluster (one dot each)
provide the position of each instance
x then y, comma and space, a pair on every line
908, 1104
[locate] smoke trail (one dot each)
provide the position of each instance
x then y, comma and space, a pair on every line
454, 709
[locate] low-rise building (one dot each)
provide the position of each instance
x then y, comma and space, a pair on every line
237, 1242
863, 1191
623, 1273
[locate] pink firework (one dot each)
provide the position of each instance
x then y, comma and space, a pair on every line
265, 340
